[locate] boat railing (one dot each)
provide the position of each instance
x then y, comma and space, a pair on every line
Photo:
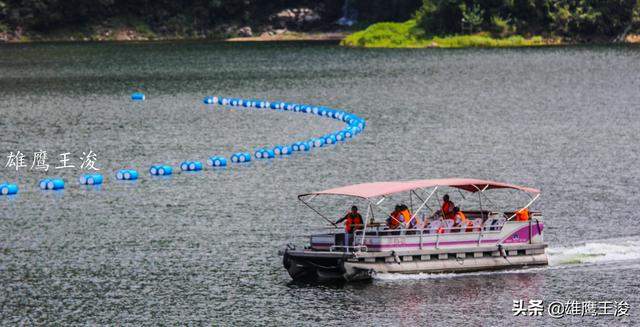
480, 233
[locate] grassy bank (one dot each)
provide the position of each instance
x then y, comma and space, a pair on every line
409, 35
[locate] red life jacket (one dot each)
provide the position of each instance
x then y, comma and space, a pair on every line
394, 220
354, 221
447, 210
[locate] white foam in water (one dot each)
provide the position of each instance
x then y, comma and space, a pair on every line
597, 251
420, 276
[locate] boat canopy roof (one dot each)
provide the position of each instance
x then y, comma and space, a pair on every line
376, 189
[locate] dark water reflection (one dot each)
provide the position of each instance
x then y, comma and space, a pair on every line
203, 247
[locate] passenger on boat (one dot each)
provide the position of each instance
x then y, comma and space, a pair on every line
447, 208
353, 222
461, 221
396, 218
406, 215
522, 214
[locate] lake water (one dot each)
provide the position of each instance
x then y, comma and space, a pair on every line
202, 248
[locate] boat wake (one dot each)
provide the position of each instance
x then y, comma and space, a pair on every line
592, 252
596, 252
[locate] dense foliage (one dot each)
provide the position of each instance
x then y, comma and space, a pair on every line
410, 35
558, 17
178, 15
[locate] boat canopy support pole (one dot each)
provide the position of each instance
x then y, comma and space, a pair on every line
316, 211
364, 228
527, 206
419, 198
424, 203
382, 209
480, 191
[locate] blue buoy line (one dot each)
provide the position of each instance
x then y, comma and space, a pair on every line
354, 126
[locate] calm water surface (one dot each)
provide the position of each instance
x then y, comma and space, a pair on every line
202, 248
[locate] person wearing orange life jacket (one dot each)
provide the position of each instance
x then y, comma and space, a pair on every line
461, 221
447, 208
406, 215
395, 219
522, 214
353, 222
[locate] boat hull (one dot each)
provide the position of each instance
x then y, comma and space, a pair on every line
329, 266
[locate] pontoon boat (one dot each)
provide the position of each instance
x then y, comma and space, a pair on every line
494, 238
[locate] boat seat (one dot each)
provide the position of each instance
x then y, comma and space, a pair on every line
477, 224
447, 224
433, 226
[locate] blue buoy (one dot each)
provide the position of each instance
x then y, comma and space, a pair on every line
347, 134
330, 139
137, 96
241, 157
286, 150
301, 146
282, 150
127, 175
264, 154
8, 189
52, 184
270, 154
217, 161
195, 166
161, 170
191, 166
43, 183
318, 142
90, 179
210, 100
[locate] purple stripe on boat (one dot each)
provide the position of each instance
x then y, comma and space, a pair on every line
417, 245
522, 234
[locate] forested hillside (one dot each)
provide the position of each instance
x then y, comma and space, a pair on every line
197, 18
501, 23
559, 17
147, 19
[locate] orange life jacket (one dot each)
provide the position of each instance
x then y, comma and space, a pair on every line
463, 218
354, 221
522, 214
406, 216
464, 222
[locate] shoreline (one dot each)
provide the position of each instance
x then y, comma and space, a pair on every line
132, 35
292, 36
345, 38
